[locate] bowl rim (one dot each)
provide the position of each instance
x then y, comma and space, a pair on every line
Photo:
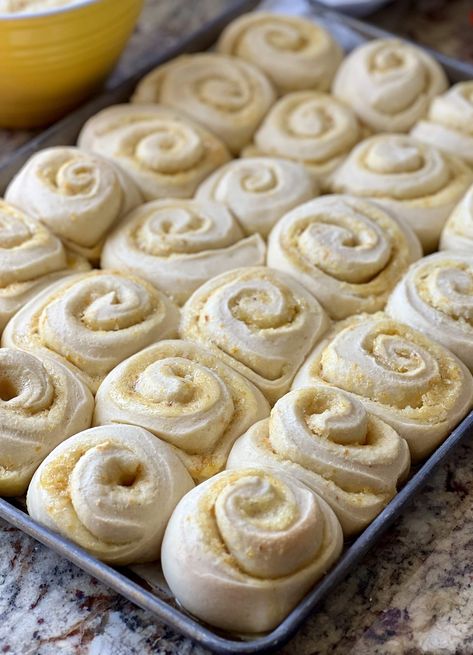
29, 15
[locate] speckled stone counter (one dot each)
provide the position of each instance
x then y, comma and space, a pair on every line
412, 595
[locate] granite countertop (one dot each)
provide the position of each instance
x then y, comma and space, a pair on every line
413, 593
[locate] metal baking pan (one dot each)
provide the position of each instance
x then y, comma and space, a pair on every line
133, 583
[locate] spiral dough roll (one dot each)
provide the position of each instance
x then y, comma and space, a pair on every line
77, 195
259, 321
41, 404
348, 252
165, 153
31, 259
326, 439
260, 190
312, 128
436, 297
415, 182
449, 124
227, 95
409, 381
177, 245
185, 395
295, 54
111, 490
93, 321
458, 231
243, 548
389, 84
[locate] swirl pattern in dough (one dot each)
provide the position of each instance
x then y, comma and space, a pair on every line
243, 548
389, 84
401, 376
31, 258
111, 490
41, 404
259, 321
327, 440
177, 245
93, 321
77, 195
296, 54
227, 95
458, 231
415, 182
165, 153
258, 191
436, 297
449, 123
348, 252
312, 128
185, 395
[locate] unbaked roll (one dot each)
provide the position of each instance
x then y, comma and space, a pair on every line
259, 190
185, 395
111, 490
415, 182
41, 404
31, 259
295, 53
312, 128
165, 153
409, 381
436, 297
79, 196
93, 321
389, 84
348, 252
327, 440
243, 548
225, 94
177, 245
449, 123
259, 321
458, 231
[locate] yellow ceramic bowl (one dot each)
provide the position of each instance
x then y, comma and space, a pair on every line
50, 62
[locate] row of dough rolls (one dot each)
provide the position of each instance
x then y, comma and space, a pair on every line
255, 538
333, 245
388, 83
179, 244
